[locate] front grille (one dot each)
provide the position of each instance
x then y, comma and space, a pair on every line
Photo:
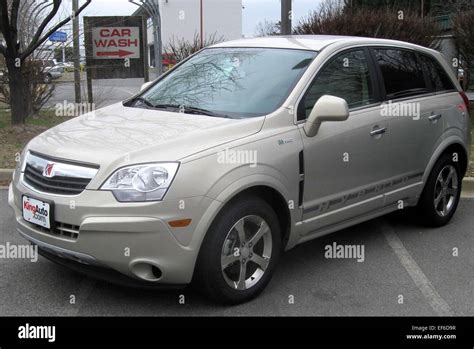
55, 176
61, 230
55, 185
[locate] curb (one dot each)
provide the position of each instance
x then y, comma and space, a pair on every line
5, 174
467, 183
66, 81
468, 188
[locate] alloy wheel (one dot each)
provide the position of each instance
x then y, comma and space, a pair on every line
246, 252
446, 190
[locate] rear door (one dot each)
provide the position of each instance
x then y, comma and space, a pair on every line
415, 112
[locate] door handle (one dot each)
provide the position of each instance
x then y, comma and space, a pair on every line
435, 117
378, 131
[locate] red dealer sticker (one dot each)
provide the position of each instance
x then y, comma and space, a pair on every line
115, 42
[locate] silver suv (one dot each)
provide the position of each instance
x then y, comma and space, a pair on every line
242, 151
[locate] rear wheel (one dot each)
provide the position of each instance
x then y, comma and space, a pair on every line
240, 252
441, 194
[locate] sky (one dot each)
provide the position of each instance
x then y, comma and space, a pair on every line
254, 11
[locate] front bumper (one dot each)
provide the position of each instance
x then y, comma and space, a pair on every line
131, 238
106, 274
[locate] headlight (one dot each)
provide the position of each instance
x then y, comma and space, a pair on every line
146, 182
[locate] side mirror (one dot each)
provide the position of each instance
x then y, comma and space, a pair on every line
145, 85
327, 108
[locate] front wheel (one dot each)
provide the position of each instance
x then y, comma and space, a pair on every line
47, 79
441, 194
239, 252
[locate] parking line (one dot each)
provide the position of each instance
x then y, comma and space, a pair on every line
438, 304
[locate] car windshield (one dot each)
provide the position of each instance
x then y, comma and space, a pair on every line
229, 82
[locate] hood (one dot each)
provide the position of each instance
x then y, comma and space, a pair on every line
118, 135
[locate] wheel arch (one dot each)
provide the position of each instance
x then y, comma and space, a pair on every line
451, 145
266, 187
275, 200
272, 194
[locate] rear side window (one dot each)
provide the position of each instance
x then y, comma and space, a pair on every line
438, 77
345, 76
401, 72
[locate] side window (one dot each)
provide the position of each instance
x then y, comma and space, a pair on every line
438, 77
346, 76
402, 73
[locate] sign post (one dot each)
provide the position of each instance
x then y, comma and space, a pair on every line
76, 53
62, 38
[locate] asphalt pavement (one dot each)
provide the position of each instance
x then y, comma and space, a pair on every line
408, 270
105, 92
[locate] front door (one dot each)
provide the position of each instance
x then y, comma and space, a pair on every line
346, 164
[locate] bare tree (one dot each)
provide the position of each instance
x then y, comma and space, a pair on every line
334, 19
267, 28
463, 28
39, 93
17, 48
180, 48
30, 17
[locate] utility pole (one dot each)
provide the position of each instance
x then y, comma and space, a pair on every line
157, 39
201, 24
286, 16
76, 53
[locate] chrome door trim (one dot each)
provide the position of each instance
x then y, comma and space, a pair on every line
378, 131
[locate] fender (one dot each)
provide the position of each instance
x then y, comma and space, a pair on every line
239, 179
233, 189
442, 146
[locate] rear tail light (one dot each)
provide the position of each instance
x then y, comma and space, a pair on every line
466, 102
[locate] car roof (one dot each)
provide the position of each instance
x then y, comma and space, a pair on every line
310, 42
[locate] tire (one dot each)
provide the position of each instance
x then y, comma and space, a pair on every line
220, 278
47, 79
432, 209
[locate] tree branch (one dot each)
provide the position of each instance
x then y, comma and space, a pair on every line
35, 42
14, 15
39, 41
5, 22
13, 24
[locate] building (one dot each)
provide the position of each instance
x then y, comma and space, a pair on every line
186, 19
443, 12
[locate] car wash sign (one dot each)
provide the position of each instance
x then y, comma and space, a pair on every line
116, 42
115, 47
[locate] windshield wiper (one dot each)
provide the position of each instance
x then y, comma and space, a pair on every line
141, 101
191, 110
